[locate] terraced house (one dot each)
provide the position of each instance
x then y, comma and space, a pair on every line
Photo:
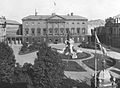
54, 28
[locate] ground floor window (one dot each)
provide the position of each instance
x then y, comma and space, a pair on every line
61, 40
44, 39
78, 39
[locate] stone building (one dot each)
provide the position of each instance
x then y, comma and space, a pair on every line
54, 28
110, 33
10, 31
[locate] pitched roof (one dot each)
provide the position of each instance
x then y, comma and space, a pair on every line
48, 16
12, 22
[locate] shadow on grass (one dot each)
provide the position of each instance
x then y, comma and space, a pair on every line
13, 85
70, 83
73, 66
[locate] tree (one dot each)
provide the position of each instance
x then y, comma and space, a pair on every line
24, 74
24, 47
48, 68
7, 63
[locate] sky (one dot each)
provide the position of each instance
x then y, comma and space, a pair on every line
91, 9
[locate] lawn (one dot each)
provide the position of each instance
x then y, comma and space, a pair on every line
73, 66
117, 72
117, 65
91, 62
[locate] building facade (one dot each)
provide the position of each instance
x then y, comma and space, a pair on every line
54, 28
110, 33
10, 31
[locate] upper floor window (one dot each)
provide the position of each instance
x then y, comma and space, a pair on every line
119, 31
78, 30
33, 23
83, 30
50, 31
26, 31
32, 31
26, 23
56, 31
38, 31
67, 30
62, 31
44, 31
83, 22
38, 22
73, 30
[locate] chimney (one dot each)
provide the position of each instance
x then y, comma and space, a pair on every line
53, 14
71, 14
67, 14
35, 12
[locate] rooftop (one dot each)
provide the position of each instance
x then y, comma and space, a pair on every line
12, 22
48, 16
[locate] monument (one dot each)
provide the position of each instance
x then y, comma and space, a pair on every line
69, 48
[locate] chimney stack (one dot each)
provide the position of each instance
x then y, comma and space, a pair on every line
53, 14
72, 14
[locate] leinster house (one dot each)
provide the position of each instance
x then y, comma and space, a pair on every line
54, 28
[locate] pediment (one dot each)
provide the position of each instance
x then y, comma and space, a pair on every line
57, 17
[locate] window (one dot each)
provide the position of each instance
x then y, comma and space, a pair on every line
72, 22
26, 31
78, 39
38, 31
61, 31
50, 31
83, 30
77, 22
38, 22
83, 38
33, 31
73, 30
32, 23
26, 23
78, 30
44, 31
44, 39
119, 31
26, 39
83, 22
67, 30
56, 31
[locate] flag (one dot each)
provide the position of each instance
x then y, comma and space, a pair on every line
109, 61
54, 3
103, 49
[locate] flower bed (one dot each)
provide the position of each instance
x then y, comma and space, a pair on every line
80, 56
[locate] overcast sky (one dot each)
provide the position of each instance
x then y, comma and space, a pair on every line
91, 9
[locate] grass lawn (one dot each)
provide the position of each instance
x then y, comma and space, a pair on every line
91, 62
117, 65
118, 72
73, 66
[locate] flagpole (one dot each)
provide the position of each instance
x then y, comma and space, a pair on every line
54, 8
95, 62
